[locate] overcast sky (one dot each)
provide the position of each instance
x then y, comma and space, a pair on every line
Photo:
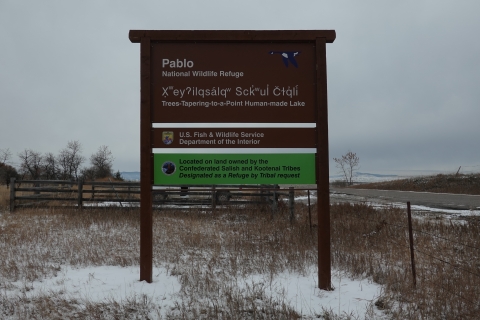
403, 76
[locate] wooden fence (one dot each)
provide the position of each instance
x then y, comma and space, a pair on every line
51, 193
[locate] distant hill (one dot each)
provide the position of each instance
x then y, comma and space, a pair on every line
376, 175
131, 176
440, 183
359, 177
364, 177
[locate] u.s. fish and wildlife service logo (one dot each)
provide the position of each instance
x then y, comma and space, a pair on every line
167, 137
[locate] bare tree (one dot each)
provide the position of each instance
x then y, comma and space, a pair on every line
6, 173
347, 165
63, 164
31, 163
77, 159
50, 167
102, 162
88, 174
5, 156
69, 160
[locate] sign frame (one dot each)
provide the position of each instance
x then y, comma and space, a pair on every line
319, 38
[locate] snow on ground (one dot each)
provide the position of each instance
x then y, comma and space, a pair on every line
112, 283
361, 177
351, 296
379, 203
102, 284
355, 297
447, 212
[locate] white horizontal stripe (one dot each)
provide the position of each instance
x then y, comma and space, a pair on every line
234, 150
233, 125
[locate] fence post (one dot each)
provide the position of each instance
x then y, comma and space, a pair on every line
116, 194
80, 194
291, 200
412, 254
12, 194
214, 199
309, 211
274, 201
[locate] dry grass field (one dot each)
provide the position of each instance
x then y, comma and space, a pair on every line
207, 252
443, 183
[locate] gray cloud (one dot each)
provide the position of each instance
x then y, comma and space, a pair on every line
403, 76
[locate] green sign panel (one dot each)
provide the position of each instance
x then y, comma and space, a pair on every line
175, 169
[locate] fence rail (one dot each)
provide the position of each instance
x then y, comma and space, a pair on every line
25, 193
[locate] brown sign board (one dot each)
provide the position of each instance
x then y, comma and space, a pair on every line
233, 82
234, 76
234, 138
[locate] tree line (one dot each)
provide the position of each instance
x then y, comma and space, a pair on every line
66, 165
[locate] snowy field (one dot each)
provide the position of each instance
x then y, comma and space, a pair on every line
351, 297
416, 209
83, 286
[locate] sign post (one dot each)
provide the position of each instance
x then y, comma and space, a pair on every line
255, 101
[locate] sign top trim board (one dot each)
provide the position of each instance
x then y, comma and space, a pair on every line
135, 36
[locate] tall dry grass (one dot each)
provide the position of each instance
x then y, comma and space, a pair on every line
208, 252
374, 243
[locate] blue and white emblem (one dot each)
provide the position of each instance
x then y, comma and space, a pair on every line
288, 57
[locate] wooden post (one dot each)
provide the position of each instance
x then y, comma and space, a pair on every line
323, 192
12, 194
116, 193
36, 185
146, 164
214, 199
274, 201
80, 194
291, 202
412, 253
309, 211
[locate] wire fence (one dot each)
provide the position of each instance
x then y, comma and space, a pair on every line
439, 253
